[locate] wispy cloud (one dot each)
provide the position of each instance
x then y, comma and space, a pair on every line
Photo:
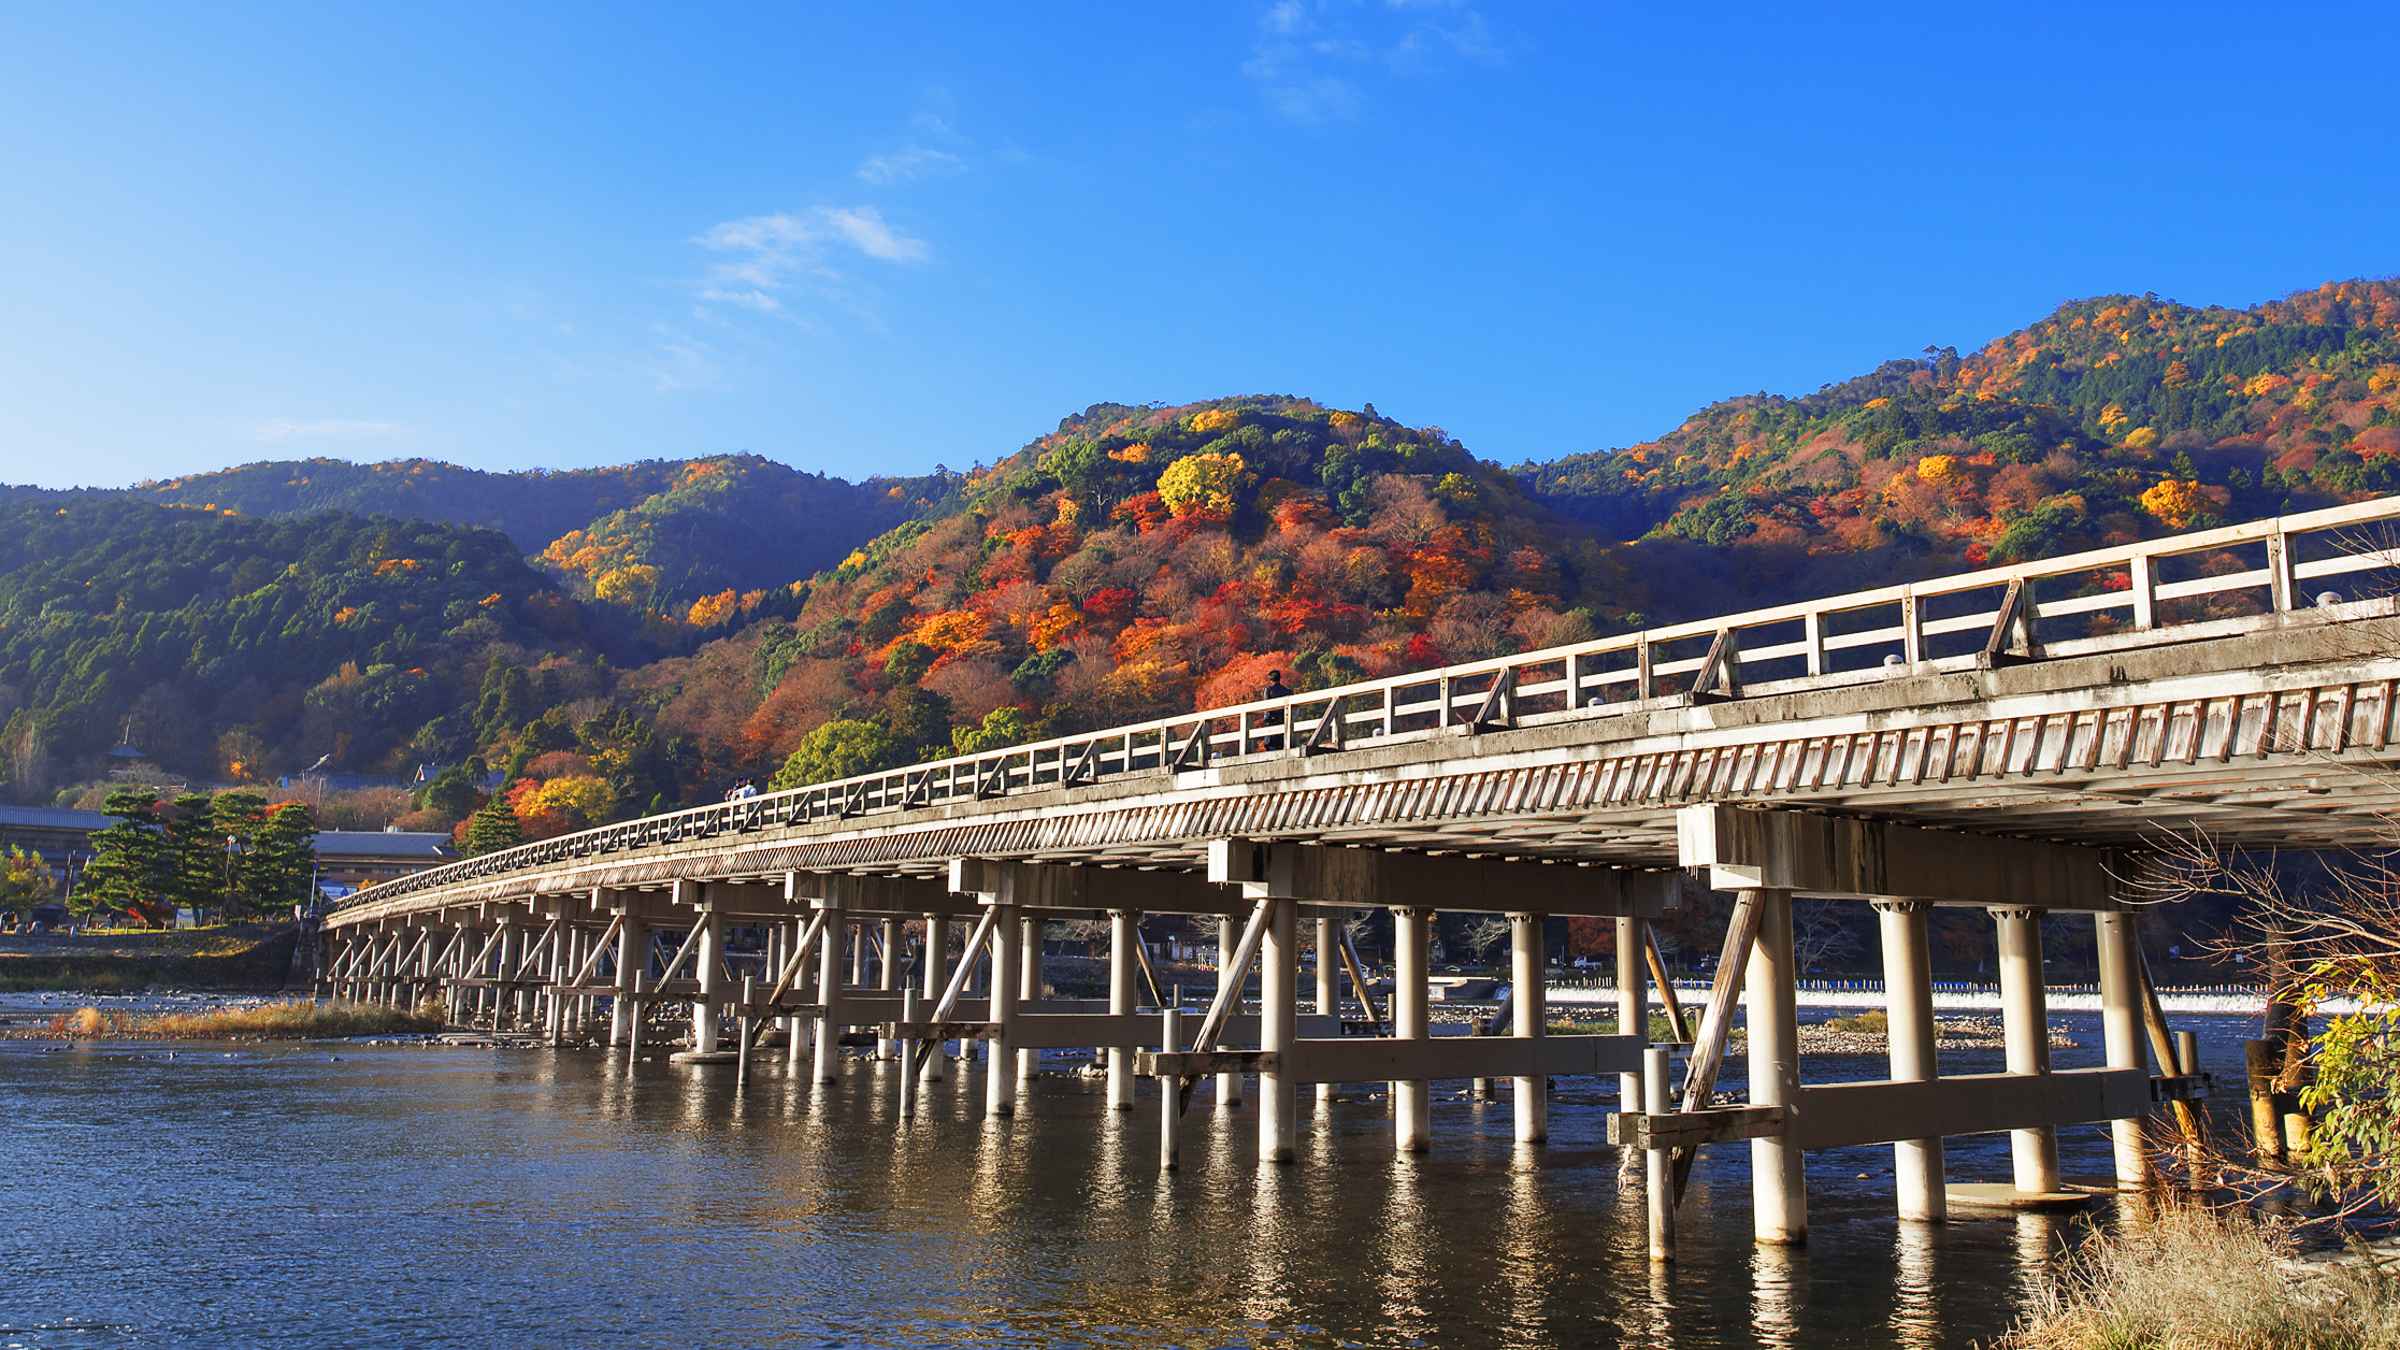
680, 363
908, 164
761, 262
1312, 58
280, 430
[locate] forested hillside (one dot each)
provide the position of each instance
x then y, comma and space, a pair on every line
642, 635
231, 647
2111, 419
654, 536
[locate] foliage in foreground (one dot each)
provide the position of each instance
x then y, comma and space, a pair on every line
2188, 1276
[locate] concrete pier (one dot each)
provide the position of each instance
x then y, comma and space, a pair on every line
1778, 1190
1412, 1122
2025, 1027
1908, 975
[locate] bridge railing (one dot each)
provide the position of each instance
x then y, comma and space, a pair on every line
2175, 589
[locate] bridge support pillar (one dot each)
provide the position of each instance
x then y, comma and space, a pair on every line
633, 954
887, 980
1029, 989
937, 975
1529, 1005
1278, 1011
1412, 1123
1124, 930
1778, 1188
829, 996
1000, 1071
1908, 1004
1633, 1017
710, 957
804, 985
1229, 1085
2121, 1032
505, 970
1329, 994
2025, 1027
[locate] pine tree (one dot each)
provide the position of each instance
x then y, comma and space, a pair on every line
199, 864
282, 858
493, 827
131, 865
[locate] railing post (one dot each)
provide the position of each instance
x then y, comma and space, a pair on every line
2143, 573
2279, 570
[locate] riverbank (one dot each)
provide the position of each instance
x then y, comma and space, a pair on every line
278, 1020
246, 957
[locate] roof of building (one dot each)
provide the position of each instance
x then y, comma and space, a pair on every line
53, 818
398, 845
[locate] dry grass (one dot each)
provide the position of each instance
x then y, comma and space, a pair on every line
289, 1020
2193, 1277
1874, 1022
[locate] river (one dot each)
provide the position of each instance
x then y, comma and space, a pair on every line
347, 1194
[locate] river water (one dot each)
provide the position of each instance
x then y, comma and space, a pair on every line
353, 1194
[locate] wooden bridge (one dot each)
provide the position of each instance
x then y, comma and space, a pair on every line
1998, 739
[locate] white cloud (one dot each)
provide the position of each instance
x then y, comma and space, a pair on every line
908, 164
279, 430
1310, 56
863, 228
762, 261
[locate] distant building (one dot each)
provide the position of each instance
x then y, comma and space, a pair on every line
354, 858
62, 837
346, 859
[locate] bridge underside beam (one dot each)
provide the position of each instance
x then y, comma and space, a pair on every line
1383, 879
1844, 1115
1746, 848
1361, 1059
1096, 1031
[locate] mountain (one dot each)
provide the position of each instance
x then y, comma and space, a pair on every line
2108, 420
1141, 560
653, 534
224, 643
608, 640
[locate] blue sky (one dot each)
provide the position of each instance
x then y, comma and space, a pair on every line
870, 238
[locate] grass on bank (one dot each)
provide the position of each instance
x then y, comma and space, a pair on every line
2189, 1276
248, 956
288, 1020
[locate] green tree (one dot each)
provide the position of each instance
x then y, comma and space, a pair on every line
493, 827
842, 748
1003, 726
281, 859
25, 881
200, 864
131, 867
451, 793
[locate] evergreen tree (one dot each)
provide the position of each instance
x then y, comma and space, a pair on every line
282, 858
199, 863
131, 866
493, 827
